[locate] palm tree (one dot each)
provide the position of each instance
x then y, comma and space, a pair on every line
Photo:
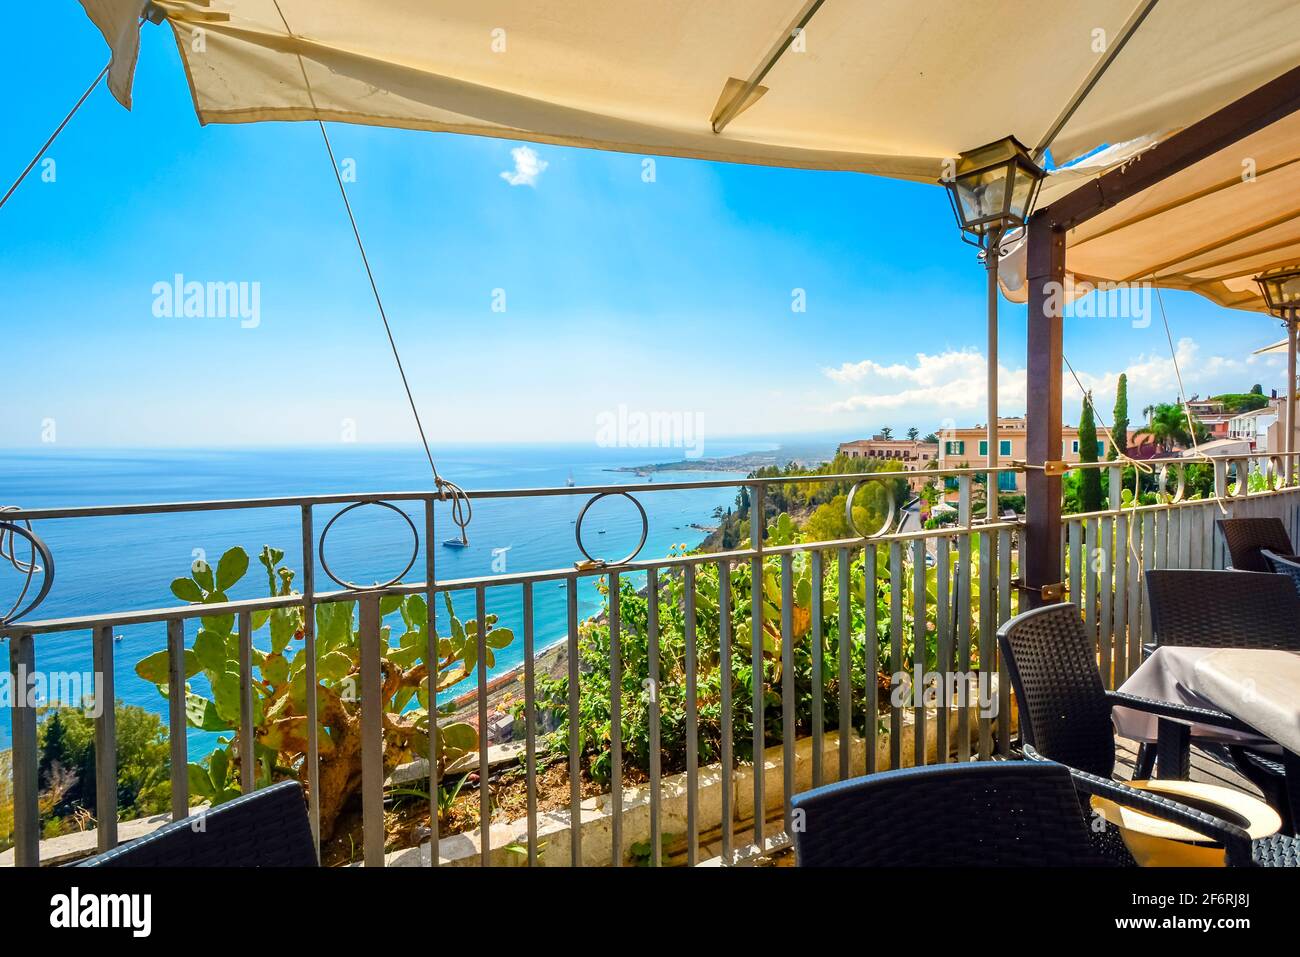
1168, 425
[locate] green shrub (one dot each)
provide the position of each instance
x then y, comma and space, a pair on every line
65, 740
594, 650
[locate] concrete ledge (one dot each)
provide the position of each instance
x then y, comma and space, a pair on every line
553, 827
73, 847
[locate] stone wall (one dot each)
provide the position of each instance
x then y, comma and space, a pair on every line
554, 831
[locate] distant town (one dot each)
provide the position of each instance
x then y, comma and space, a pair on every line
1247, 424
1232, 424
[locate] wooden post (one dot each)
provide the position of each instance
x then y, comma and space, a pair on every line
1040, 547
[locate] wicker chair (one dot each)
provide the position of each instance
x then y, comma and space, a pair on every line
1245, 537
1226, 609
1065, 710
987, 814
268, 828
1201, 608
1283, 565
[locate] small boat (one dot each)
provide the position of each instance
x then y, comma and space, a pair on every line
601, 532
455, 543
118, 637
569, 482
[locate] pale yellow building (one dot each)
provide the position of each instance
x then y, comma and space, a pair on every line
912, 454
969, 447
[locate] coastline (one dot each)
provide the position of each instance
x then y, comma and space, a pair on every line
551, 660
745, 462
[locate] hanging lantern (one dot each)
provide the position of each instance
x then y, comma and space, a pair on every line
993, 188
1281, 290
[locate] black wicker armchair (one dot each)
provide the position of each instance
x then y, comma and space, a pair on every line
1225, 609
1283, 565
1279, 850
1246, 537
1065, 710
987, 814
267, 828
1201, 608
990, 814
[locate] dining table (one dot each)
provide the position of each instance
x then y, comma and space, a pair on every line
1259, 688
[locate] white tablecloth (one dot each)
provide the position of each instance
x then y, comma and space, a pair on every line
1262, 688
1171, 674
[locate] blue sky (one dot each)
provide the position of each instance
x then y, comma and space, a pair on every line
666, 296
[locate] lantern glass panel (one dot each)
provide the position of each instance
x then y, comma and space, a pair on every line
1022, 194
1281, 289
1287, 291
982, 196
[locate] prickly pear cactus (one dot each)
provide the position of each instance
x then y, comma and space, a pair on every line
279, 725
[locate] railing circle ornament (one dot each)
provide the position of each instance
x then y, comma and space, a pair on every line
1286, 476
9, 533
1241, 487
645, 529
1163, 482
889, 514
352, 586
1274, 473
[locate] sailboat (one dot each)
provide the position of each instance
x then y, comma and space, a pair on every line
568, 482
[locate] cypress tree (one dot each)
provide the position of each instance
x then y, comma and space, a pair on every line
54, 746
1120, 430
1089, 479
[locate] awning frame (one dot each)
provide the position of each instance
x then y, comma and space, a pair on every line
1046, 254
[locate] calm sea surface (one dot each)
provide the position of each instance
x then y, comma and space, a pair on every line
127, 563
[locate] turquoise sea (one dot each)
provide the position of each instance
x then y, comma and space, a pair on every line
127, 563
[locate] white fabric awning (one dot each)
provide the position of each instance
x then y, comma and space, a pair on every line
891, 87
1279, 346
1210, 228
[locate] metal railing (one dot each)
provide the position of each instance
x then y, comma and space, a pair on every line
961, 600
956, 582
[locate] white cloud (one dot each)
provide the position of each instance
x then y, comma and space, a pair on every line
1153, 378
528, 166
951, 384
946, 382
